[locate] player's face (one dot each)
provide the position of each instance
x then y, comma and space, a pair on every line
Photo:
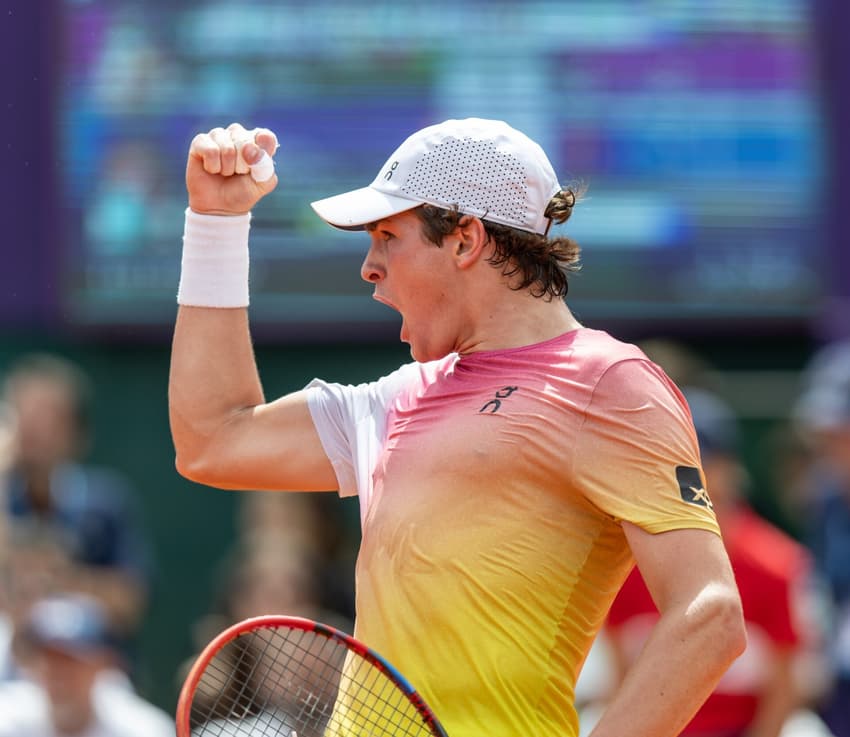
415, 277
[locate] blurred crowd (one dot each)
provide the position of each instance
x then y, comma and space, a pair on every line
76, 563
76, 566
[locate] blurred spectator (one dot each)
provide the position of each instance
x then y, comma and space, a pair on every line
74, 685
69, 526
270, 575
683, 366
293, 517
823, 413
277, 565
315, 523
6, 627
777, 676
787, 455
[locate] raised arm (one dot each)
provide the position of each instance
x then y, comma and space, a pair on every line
699, 634
224, 432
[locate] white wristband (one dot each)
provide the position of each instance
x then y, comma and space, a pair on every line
214, 271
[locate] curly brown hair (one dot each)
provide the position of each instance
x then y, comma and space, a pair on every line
540, 262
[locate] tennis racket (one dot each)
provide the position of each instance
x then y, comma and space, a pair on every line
278, 675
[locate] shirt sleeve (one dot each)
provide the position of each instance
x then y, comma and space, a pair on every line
351, 421
637, 457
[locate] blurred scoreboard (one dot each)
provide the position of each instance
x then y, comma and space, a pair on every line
694, 125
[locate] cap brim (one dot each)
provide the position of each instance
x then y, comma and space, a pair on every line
356, 209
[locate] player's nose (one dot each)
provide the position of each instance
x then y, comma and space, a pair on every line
372, 270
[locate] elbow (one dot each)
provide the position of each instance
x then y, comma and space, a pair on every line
198, 456
191, 468
184, 467
208, 452
740, 635
715, 618
729, 625
197, 468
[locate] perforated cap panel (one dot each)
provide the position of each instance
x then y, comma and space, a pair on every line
483, 167
473, 174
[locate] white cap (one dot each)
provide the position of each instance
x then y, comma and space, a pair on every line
483, 167
824, 403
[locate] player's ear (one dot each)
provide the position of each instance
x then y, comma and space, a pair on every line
468, 241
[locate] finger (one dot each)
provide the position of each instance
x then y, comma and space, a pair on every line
240, 136
206, 150
239, 131
262, 163
266, 140
258, 161
227, 150
263, 169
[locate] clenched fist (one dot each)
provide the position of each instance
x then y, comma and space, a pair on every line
218, 170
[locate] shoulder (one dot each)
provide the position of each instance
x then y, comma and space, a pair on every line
604, 358
408, 378
622, 373
415, 375
604, 347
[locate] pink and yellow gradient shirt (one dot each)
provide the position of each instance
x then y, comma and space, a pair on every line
491, 490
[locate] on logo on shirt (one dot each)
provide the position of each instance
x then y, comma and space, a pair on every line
495, 404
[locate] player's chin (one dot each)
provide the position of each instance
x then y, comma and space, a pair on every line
416, 352
423, 352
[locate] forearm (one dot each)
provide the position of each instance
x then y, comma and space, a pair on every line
213, 372
686, 654
225, 434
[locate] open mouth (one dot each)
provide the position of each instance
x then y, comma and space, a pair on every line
384, 301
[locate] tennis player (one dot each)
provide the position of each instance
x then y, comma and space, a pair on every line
508, 477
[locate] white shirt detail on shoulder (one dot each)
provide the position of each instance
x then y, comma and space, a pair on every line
352, 423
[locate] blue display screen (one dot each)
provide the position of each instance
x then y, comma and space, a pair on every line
694, 126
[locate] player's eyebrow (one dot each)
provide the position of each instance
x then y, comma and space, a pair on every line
385, 225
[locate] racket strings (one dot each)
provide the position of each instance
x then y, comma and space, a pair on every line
241, 677
263, 674
282, 681
378, 701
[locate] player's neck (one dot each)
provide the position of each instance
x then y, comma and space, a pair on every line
518, 321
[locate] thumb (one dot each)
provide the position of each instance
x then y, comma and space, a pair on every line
260, 162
